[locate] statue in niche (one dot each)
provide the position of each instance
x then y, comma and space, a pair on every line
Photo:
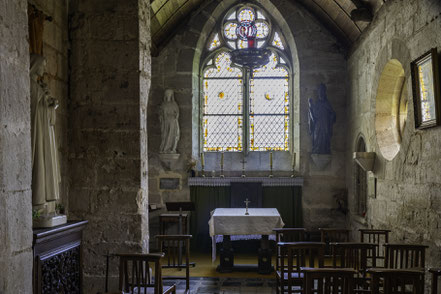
321, 120
169, 119
46, 176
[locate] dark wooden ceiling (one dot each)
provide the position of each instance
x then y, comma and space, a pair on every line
167, 16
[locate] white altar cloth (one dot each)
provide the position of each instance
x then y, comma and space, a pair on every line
233, 221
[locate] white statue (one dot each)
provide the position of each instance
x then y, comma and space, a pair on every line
169, 119
45, 166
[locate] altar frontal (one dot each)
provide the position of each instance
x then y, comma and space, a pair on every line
231, 222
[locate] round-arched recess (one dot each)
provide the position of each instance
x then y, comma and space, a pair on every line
391, 109
360, 181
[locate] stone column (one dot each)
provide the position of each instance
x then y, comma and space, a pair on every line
110, 82
15, 150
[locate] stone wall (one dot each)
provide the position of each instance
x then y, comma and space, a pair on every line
317, 56
110, 72
15, 150
55, 50
408, 188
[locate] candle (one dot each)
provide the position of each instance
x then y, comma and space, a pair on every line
202, 159
271, 159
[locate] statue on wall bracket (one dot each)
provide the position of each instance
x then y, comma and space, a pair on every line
169, 121
46, 176
321, 120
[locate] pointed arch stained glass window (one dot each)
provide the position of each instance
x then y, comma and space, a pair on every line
243, 109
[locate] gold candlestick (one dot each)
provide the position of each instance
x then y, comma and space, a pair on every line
271, 165
222, 165
203, 164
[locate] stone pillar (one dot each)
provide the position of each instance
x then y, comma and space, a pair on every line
15, 150
110, 82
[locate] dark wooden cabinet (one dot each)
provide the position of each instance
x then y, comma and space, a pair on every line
57, 258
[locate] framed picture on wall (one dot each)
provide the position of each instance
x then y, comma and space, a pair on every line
426, 90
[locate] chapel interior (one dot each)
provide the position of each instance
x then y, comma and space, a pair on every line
127, 124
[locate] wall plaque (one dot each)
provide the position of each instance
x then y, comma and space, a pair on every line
169, 183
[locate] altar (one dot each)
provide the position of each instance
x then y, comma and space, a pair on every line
208, 194
244, 222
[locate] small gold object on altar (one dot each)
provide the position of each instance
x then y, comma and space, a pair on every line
246, 207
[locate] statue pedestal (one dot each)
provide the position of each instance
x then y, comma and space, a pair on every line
49, 221
169, 156
321, 160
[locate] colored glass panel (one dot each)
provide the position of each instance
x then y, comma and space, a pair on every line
215, 43
277, 42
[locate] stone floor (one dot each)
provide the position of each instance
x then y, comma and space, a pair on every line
226, 285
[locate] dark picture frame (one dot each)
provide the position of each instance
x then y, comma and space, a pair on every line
426, 90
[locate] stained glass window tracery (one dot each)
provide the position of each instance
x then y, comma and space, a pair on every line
242, 109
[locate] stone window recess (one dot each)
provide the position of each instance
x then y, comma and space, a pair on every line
245, 110
391, 109
360, 183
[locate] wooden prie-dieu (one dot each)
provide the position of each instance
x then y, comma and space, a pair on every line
57, 258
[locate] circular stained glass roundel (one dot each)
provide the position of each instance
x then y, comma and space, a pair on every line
246, 30
246, 14
230, 31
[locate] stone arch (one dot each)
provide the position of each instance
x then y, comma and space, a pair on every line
206, 30
391, 98
360, 180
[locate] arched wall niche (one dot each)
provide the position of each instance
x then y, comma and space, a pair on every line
282, 162
391, 99
360, 180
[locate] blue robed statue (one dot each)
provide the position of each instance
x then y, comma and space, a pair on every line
321, 120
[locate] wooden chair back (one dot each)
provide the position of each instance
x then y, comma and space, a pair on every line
375, 236
329, 280
294, 256
405, 256
288, 235
358, 256
135, 275
436, 273
177, 254
397, 281
332, 235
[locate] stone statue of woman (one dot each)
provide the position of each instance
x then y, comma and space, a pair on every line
169, 119
45, 166
321, 120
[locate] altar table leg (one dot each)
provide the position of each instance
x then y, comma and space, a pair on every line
264, 261
226, 256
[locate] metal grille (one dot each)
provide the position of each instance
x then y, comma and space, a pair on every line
223, 106
269, 108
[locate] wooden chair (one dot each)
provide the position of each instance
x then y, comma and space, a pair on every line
358, 256
404, 256
173, 246
332, 235
436, 273
396, 281
294, 256
288, 235
329, 280
379, 237
135, 274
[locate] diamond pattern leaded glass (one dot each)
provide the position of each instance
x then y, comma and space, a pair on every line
269, 108
223, 106
267, 113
